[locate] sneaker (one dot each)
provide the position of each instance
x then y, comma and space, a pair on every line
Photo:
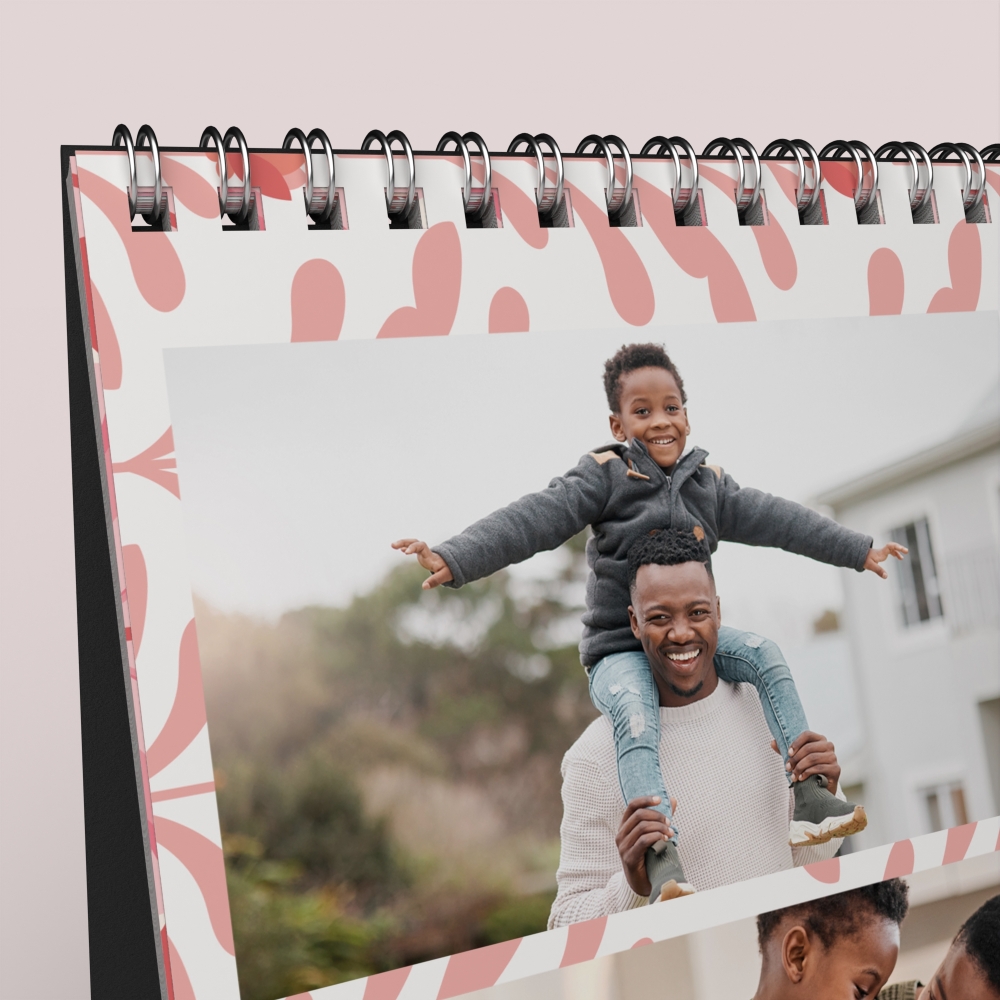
663, 866
820, 816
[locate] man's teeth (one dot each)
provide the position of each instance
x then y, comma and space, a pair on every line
682, 657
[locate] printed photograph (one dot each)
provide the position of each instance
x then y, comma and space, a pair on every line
504, 633
927, 936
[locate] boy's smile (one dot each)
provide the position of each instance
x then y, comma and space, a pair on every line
652, 411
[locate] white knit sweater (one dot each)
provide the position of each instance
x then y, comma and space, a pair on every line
734, 805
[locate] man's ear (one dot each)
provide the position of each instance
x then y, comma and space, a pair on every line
633, 621
795, 949
617, 431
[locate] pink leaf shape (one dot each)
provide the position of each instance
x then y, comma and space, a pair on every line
437, 282
301, 996
476, 970
318, 302
520, 211
155, 463
698, 253
776, 251
900, 861
885, 283
180, 981
993, 179
508, 312
136, 585
155, 265
629, 286
204, 861
187, 714
959, 838
842, 176
190, 188
386, 985
825, 871
642, 942
965, 264
106, 343
582, 941
266, 176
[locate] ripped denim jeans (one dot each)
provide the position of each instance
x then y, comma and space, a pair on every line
623, 690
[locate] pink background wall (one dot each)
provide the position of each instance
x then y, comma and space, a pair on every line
69, 72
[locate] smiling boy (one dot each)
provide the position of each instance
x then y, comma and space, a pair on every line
647, 481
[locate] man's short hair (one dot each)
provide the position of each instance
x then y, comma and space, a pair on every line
631, 357
669, 547
841, 915
980, 937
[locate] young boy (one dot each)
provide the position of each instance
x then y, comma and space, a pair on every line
643, 483
833, 948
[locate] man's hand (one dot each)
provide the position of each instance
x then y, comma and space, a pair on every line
640, 829
427, 558
810, 754
878, 556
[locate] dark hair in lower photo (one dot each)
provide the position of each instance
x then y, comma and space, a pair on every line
669, 547
980, 937
630, 358
841, 915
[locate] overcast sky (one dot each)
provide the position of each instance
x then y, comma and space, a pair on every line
299, 464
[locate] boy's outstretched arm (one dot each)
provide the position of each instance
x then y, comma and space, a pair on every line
429, 559
877, 556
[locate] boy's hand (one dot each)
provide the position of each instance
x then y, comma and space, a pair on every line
427, 558
876, 556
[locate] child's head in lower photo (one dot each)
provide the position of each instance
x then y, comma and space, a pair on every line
646, 397
971, 969
834, 948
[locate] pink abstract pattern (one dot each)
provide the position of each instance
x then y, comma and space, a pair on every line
593, 270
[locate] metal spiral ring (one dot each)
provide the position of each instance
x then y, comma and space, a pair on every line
296, 134
124, 135
480, 210
991, 153
391, 198
155, 210
212, 134
463, 148
546, 199
746, 197
321, 206
615, 197
805, 200
912, 151
681, 199
221, 143
244, 210
834, 151
975, 169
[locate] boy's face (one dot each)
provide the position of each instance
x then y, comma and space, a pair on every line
958, 976
652, 411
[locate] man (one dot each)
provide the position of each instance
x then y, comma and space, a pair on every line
832, 948
971, 968
735, 803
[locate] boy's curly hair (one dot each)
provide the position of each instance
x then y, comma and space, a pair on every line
631, 357
980, 937
841, 914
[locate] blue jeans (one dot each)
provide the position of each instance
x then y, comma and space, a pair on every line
623, 690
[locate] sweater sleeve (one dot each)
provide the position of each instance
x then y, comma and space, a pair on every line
535, 523
591, 881
755, 518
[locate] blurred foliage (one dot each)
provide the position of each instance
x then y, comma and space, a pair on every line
388, 773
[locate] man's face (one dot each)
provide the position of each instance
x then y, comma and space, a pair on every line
675, 615
958, 977
651, 410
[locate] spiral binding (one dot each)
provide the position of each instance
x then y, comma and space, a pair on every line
322, 201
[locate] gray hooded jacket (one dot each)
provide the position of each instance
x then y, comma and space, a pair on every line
622, 494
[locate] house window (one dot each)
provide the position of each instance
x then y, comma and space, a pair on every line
945, 806
920, 591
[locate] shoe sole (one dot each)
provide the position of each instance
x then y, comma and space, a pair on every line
674, 889
804, 834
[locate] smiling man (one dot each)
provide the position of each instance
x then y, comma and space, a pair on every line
734, 800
